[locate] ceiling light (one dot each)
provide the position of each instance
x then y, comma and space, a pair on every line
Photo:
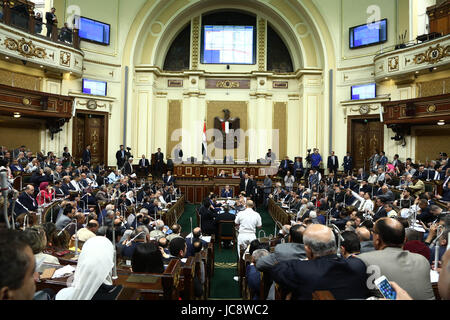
417, 71
7, 58
42, 66
434, 68
441, 122
16, 115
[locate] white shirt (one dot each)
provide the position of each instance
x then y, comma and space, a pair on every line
366, 205
76, 185
372, 179
248, 220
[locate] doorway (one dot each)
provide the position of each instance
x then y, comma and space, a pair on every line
366, 134
90, 128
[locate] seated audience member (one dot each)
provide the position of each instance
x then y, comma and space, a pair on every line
410, 271
226, 192
414, 243
137, 238
196, 235
66, 217
59, 239
294, 249
147, 258
35, 237
177, 249
17, 267
253, 276
90, 231
158, 232
92, 279
176, 232
366, 245
351, 245
324, 270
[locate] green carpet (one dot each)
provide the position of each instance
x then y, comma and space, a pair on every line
225, 267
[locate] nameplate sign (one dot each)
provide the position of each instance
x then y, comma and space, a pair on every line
227, 84
142, 278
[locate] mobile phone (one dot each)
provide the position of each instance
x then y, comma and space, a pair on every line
385, 288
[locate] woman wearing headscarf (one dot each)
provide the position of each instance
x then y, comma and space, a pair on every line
46, 193
92, 279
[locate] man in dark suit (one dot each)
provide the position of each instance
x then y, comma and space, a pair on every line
169, 179
26, 201
344, 278
87, 156
295, 249
144, 165
333, 163
226, 192
298, 168
121, 157
348, 164
52, 21
128, 167
246, 185
159, 162
285, 166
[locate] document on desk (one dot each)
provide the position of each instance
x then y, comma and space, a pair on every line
434, 276
64, 271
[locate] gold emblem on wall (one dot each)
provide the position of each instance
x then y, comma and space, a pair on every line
64, 59
25, 48
432, 55
227, 84
431, 108
393, 64
26, 101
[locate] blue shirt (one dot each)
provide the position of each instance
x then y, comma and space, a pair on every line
315, 159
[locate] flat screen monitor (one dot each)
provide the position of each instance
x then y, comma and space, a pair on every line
364, 91
368, 34
94, 87
228, 44
94, 31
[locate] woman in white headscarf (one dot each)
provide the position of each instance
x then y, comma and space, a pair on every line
92, 278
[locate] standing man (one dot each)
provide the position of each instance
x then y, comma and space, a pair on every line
383, 160
267, 189
87, 156
270, 156
333, 163
316, 159
247, 221
348, 164
373, 160
52, 21
298, 168
120, 157
128, 167
144, 165
159, 158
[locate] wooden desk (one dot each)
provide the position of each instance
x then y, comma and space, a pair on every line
278, 214
171, 216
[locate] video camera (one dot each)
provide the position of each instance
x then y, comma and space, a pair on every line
308, 157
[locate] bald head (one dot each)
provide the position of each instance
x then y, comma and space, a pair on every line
319, 241
388, 232
249, 204
363, 234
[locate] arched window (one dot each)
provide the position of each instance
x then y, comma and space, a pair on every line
177, 58
278, 57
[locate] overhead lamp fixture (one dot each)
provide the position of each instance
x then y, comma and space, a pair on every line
441, 123
42, 66
16, 115
7, 58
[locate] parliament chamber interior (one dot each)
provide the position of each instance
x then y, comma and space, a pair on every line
214, 150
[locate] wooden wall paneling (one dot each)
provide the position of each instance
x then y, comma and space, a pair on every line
191, 194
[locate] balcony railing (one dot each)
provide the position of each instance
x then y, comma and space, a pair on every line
20, 14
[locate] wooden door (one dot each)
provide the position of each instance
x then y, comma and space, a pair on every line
91, 129
366, 136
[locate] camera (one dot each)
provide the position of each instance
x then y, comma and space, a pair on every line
128, 148
309, 150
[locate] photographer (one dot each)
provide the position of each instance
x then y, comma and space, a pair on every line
316, 159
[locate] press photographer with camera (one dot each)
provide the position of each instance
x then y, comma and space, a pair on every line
122, 156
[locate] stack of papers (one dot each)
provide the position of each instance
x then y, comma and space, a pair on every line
63, 272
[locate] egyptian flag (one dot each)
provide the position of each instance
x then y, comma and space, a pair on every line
226, 127
204, 145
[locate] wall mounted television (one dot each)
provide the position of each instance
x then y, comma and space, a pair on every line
94, 87
364, 91
228, 44
94, 31
368, 34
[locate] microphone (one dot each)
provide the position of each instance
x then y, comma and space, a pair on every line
73, 221
4, 190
